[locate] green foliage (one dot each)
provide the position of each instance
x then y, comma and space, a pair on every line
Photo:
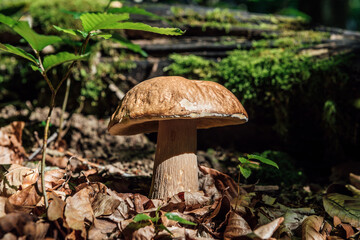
36, 41
264, 78
194, 67
48, 13
247, 163
97, 21
142, 218
18, 51
51, 61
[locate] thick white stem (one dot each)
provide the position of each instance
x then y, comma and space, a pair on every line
175, 167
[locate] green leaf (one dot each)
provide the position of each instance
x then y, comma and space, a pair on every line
103, 35
144, 27
263, 160
141, 217
7, 20
162, 227
97, 21
18, 51
246, 172
51, 61
135, 10
131, 46
37, 41
177, 218
35, 68
74, 32
243, 160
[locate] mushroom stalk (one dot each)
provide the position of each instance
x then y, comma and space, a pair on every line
175, 166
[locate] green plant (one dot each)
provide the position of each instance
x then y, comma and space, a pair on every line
93, 25
143, 220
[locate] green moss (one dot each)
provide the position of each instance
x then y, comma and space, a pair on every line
265, 78
225, 19
194, 67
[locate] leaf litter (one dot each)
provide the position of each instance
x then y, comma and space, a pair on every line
88, 201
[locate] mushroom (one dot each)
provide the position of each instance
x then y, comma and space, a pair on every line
175, 107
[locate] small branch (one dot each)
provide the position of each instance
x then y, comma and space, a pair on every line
43, 72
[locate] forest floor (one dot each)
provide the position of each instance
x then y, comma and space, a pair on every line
97, 186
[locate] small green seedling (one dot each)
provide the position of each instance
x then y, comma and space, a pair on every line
252, 161
143, 220
246, 164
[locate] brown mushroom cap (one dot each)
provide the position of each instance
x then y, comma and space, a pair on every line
166, 98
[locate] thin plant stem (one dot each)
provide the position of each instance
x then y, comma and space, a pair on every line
66, 97
46, 132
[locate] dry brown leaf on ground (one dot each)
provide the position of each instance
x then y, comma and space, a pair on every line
10, 138
267, 231
186, 201
101, 228
2, 206
311, 227
236, 226
15, 177
56, 207
54, 178
78, 210
28, 197
224, 183
104, 204
345, 207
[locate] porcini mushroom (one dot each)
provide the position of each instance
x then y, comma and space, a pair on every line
175, 107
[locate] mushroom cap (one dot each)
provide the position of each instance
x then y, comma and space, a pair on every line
173, 97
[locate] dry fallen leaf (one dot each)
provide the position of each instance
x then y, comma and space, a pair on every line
15, 177
11, 150
27, 197
236, 227
345, 207
311, 228
224, 183
56, 207
267, 230
104, 204
78, 210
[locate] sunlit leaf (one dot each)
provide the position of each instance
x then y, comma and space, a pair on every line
243, 160
36, 41
141, 217
103, 35
7, 20
18, 51
263, 160
74, 32
177, 218
143, 27
96, 21
51, 61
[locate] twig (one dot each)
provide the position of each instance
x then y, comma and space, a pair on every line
91, 164
38, 150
